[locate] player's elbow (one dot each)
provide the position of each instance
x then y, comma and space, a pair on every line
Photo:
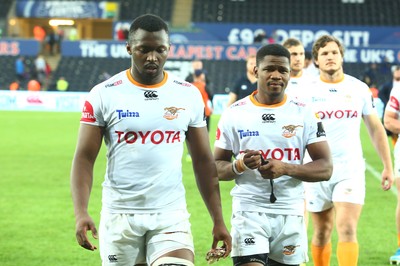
327, 171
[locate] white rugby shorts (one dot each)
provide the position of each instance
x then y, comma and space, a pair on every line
283, 237
347, 184
129, 239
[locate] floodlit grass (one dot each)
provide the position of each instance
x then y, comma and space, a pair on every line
37, 225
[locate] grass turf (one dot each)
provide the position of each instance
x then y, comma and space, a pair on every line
37, 225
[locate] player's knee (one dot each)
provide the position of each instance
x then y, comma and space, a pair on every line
172, 261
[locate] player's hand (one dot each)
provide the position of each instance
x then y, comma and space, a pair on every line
387, 180
271, 169
84, 224
252, 159
221, 233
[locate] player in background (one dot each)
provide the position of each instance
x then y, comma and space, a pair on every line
299, 80
342, 101
391, 121
144, 115
267, 133
299, 83
246, 84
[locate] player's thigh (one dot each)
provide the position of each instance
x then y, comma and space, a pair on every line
172, 236
289, 244
318, 196
250, 232
119, 243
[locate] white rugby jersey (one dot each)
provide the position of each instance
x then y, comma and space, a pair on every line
299, 86
279, 131
145, 130
341, 106
393, 105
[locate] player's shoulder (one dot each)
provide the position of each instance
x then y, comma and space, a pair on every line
115, 81
354, 81
178, 80
299, 102
395, 91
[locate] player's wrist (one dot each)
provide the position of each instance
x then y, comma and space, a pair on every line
238, 165
234, 168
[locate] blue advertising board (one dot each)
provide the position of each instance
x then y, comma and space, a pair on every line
207, 51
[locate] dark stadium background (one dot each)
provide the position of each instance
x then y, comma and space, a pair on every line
183, 15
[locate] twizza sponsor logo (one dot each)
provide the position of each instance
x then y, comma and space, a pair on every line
292, 154
155, 137
338, 114
118, 82
87, 113
247, 133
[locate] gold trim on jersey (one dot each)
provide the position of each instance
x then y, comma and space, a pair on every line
255, 102
131, 79
333, 82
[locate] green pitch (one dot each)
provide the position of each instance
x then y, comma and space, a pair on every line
36, 214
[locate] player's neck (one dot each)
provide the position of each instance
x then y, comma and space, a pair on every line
333, 77
296, 74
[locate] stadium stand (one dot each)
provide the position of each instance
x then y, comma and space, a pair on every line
8, 70
130, 9
5, 6
84, 73
333, 12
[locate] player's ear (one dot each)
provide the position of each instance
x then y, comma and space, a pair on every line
128, 48
255, 71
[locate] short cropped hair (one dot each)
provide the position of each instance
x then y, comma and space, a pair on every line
148, 22
272, 49
291, 42
322, 41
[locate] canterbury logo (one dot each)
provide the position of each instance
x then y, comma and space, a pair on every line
269, 118
112, 258
150, 95
249, 241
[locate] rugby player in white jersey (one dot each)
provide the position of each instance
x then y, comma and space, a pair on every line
267, 133
145, 115
391, 120
342, 102
299, 79
299, 83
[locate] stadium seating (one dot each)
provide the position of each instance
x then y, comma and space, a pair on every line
83, 73
129, 9
333, 12
5, 6
8, 70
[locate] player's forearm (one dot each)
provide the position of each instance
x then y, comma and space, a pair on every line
81, 185
315, 171
381, 145
208, 185
225, 172
393, 125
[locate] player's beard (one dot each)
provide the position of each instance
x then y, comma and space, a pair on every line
332, 71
